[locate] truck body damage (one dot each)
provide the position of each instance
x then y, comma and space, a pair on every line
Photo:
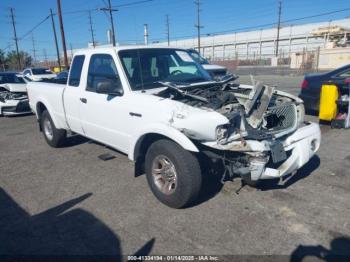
256, 131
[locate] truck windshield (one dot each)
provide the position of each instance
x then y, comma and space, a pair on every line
41, 71
198, 58
145, 67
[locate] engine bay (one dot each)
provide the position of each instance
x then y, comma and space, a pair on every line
257, 113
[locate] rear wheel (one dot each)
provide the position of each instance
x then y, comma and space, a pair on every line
173, 173
53, 136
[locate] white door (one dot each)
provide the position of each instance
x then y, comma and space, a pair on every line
104, 116
73, 95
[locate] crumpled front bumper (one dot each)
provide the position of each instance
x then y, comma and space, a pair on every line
15, 107
300, 147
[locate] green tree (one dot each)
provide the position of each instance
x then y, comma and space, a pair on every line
2, 60
12, 61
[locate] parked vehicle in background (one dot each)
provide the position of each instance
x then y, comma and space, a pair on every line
165, 112
214, 70
61, 77
38, 73
13, 95
311, 86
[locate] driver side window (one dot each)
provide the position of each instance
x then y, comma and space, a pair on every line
101, 69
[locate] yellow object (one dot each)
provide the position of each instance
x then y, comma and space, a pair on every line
328, 105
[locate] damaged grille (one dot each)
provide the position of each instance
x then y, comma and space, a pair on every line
280, 118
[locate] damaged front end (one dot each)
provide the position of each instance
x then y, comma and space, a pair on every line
254, 133
14, 103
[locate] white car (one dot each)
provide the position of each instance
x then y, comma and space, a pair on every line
169, 119
214, 70
13, 95
38, 74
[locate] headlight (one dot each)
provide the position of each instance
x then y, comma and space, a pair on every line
301, 114
221, 132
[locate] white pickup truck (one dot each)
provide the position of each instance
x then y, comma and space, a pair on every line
165, 112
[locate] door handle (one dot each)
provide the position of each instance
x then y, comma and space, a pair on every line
83, 100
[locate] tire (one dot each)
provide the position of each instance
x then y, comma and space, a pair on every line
167, 155
53, 136
248, 181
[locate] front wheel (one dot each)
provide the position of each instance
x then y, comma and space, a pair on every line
53, 136
173, 174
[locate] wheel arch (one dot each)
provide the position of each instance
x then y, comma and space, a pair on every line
142, 142
40, 108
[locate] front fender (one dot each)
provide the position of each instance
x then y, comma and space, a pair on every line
164, 130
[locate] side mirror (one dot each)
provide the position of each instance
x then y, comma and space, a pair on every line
110, 87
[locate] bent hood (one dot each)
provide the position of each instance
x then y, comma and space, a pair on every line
196, 123
15, 88
213, 67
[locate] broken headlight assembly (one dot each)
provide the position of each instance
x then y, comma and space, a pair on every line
300, 113
222, 132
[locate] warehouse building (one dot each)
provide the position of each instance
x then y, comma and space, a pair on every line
261, 44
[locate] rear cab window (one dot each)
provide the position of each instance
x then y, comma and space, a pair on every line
75, 71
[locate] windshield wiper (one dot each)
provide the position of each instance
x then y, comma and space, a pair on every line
176, 88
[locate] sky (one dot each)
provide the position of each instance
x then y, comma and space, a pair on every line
216, 16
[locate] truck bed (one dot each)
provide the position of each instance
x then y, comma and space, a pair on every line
49, 94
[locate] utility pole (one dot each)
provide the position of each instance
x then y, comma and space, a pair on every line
56, 43
110, 10
45, 56
62, 33
145, 33
71, 52
34, 50
15, 38
278, 27
91, 30
198, 25
168, 29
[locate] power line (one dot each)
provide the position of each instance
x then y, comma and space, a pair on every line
15, 38
285, 21
263, 25
35, 27
133, 3
29, 32
100, 9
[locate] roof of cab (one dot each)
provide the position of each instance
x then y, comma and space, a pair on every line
119, 48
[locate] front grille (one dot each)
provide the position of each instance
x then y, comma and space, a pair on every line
22, 106
280, 118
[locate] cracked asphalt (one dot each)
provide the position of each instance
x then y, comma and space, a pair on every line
68, 201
